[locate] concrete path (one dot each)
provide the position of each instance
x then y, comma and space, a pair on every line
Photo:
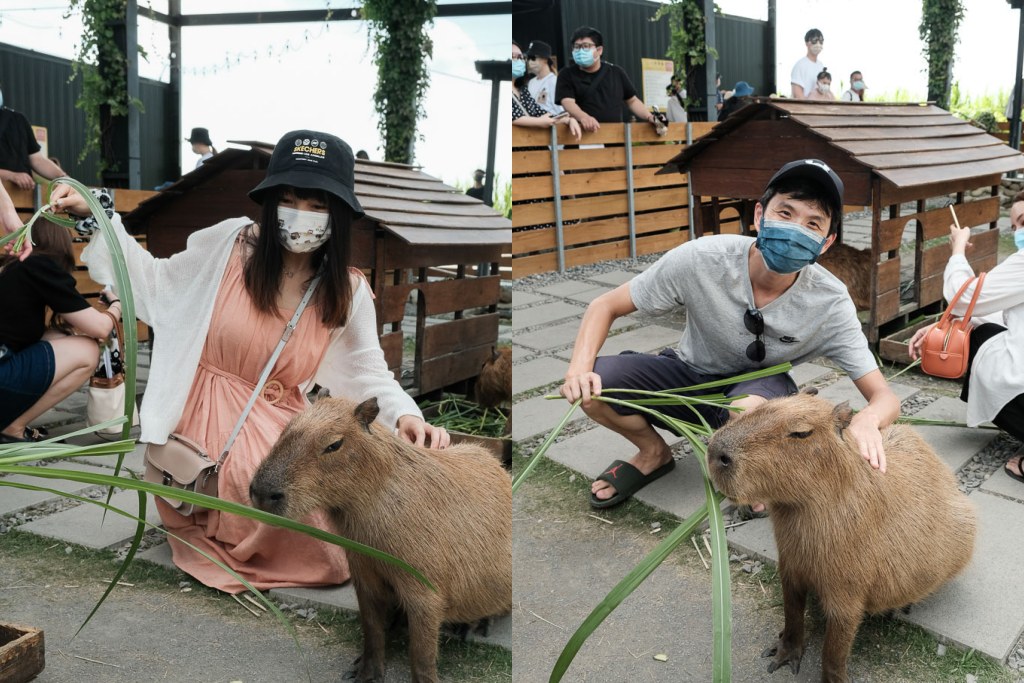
978, 610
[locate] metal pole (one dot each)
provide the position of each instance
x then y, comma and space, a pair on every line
689, 184
711, 65
131, 54
629, 190
1015, 120
557, 191
173, 123
492, 143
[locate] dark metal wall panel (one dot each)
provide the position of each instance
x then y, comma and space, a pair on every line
742, 45
38, 86
159, 141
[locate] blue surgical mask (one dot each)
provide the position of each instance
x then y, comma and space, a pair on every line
584, 58
858, 85
518, 68
787, 247
1018, 238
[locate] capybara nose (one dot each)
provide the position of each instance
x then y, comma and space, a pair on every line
265, 500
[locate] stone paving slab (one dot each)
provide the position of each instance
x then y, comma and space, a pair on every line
615, 277
956, 445
539, 416
84, 524
642, 339
981, 608
845, 390
132, 460
567, 288
54, 416
338, 598
537, 373
588, 295
15, 499
679, 492
556, 335
1002, 484
545, 313
808, 372
944, 408
521, 297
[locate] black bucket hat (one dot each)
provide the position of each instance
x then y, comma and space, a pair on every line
311, 159
200, 135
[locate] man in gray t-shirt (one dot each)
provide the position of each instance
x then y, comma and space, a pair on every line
750, 303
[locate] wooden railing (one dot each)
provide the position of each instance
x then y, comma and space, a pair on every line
609, 202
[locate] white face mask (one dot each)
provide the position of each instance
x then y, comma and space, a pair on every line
816, 48
302, 231
824, 87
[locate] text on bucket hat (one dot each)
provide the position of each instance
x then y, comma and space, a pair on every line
200, 135
311, 159
539, 48
816, 171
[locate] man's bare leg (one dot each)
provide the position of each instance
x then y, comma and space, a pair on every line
652, 451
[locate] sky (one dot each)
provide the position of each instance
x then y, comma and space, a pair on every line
880, 38
257, 82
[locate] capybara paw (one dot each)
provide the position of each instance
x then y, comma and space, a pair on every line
784, 655
361, 674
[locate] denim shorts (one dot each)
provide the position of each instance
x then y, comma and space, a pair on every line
24, 377
631, 370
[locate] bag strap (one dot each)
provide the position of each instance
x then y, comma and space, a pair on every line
952, 302
288, 329
602, 72
974, 299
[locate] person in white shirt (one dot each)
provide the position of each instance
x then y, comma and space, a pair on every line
676, 101
541, 64
855, 93
994, 383
806, 70
201, 145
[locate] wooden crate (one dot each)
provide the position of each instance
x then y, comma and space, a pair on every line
894, 346
22, 653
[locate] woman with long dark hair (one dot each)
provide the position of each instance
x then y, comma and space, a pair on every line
40, 366
218, 309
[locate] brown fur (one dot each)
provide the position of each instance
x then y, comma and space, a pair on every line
448, 513
853, 267
863, 541
494, 385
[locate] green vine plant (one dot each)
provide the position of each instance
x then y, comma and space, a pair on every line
940, 21
102, 67
398, 31
687, 48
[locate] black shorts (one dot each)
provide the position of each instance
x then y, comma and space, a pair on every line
632, 370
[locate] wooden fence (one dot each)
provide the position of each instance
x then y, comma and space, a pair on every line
576, 206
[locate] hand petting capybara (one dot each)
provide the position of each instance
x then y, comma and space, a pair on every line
853, 267
448, 513
862, 540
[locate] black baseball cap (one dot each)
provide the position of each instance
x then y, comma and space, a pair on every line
311, 159
818, 172
539, 48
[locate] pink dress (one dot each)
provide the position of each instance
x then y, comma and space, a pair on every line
240, 341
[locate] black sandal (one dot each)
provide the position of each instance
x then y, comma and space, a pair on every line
1020, 466
35, 434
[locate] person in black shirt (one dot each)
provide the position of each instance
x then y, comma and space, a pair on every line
20, 154
39, 367
478, 185
592, 90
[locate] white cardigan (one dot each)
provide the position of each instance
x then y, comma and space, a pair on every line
176, 296
997, 375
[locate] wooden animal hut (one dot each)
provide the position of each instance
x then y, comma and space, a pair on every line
419, 235
906, 162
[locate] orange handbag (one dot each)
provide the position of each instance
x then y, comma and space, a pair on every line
946, 347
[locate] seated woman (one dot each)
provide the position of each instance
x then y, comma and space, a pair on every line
40, 367
218, 310
994, 383
823, 88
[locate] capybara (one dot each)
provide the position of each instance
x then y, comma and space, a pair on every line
494, 384
447, 512
861, 539
853, 267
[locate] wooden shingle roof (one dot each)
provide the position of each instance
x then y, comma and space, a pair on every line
905, 144
416, 207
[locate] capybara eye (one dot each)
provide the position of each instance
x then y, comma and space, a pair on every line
800, 435
334, 446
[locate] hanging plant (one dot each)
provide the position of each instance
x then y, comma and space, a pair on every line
398, 30
940, 20
101, 65
687, 48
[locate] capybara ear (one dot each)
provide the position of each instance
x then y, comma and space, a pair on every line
366, 412
495, 354
842, 414
810, 391
323, 392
